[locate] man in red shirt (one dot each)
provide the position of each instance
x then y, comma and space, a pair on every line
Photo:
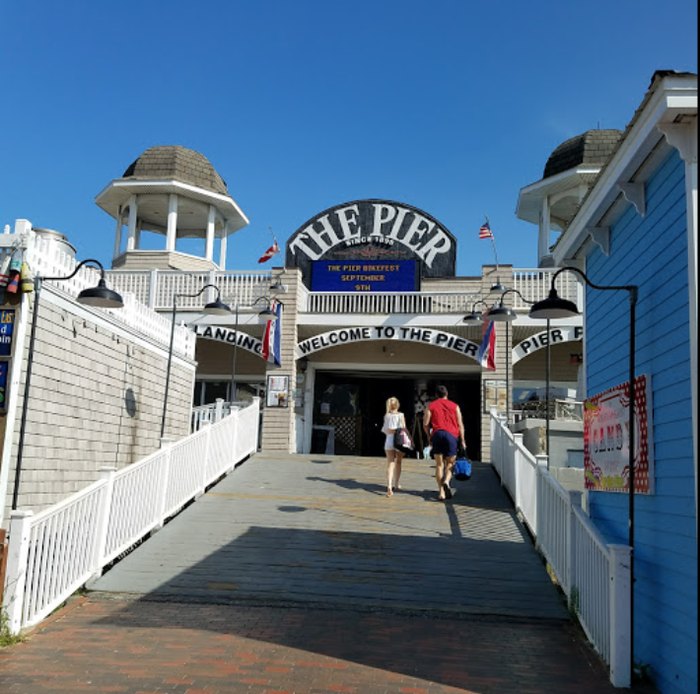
443, 424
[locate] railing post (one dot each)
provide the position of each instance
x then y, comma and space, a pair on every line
517, 455
153, 289
219, 410
573, 502
620, 604
164, 482
98, 552
18, 554
205, 459
541, 509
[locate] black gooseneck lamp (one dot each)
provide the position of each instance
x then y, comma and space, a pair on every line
213, 308
475, 317
556, 307
101, 297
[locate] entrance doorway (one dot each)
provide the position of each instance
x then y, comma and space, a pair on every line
354, 406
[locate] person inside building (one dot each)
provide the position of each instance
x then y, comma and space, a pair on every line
393, 420
444, 426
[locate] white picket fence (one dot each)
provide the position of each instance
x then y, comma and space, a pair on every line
594, 575
55, 552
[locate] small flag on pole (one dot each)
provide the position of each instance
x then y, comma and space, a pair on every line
487, 350
272, 250
485, 231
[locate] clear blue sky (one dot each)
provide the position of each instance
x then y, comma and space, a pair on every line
448, 105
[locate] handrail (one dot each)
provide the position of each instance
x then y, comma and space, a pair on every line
89, 529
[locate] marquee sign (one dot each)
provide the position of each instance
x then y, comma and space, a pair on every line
428, 336
364, 276
541, 340
606, 439
369, 230
230, 337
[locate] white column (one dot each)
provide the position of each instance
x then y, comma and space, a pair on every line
172, 223
223, 247
543, 239
118, 236
211, 222
133, 211
137, 236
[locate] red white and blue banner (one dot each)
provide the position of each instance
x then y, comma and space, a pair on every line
487, 351
272, 338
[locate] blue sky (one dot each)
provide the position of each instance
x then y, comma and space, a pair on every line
449, 105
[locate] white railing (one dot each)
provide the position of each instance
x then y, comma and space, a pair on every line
53, 553
534, 284
594, 575
157, 288
48, 259
421, 303
210, 414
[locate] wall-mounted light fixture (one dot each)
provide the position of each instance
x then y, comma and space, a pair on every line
556, 307
100, 297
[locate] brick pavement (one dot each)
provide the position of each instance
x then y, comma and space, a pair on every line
123, 645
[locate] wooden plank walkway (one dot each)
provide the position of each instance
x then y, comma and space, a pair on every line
318, 530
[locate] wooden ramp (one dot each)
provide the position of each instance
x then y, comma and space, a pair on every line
318, 530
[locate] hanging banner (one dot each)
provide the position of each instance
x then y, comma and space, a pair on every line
606, 439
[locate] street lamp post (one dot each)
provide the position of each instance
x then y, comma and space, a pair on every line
99, 296
216, 308
506, 314
555, 307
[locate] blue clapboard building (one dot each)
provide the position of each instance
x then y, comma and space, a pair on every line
637, 225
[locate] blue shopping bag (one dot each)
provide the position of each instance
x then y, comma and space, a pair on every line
462, 469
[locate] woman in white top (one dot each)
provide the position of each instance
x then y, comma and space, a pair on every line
393, 420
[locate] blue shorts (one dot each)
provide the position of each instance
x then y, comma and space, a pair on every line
444, 443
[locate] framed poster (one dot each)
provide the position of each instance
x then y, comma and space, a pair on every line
606, 439
277, 391
494, 395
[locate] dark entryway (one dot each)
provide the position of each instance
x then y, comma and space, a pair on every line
354, 405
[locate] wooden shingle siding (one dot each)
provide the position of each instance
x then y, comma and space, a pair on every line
652, 253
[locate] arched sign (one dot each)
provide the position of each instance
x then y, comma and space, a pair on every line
425, 336
541, 340
373, 232
230, 337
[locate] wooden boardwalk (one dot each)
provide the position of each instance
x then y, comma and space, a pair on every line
317, 530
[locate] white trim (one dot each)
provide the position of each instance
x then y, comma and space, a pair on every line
601, 237
635, 194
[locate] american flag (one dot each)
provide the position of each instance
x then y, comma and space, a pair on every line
272, 250
485, 231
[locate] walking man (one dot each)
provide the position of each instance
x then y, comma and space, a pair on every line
443, 424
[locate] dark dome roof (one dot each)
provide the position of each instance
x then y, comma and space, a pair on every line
591, 147
174, 162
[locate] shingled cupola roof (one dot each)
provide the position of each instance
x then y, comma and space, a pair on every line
173, 162
593, 147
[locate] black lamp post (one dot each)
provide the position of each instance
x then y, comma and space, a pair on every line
555, 307
214, 308
505, 314
100, 296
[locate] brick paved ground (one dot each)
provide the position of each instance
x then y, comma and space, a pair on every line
101, 644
